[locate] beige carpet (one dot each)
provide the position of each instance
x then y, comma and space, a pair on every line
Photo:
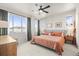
28, 49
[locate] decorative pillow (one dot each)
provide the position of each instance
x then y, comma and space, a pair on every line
52, 34
46, 33
56, 33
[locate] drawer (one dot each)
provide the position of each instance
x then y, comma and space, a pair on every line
9, 49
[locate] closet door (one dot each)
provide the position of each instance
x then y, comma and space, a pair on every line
4, 22
0, 14
4, 15
0, 31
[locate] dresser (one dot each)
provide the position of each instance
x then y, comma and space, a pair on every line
8, 46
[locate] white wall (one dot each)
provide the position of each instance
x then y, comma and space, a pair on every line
77, 26
56, 18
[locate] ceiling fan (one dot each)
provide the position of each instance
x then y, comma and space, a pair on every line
43, 8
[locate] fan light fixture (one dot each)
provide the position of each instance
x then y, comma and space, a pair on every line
39, 10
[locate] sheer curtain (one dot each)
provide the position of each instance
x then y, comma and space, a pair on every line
18, 27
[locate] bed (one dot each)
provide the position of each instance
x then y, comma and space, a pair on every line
53, 42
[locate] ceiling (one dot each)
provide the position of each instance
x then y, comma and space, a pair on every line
30, 10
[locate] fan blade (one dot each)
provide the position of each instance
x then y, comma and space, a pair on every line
40, 7
46, 7
45, 11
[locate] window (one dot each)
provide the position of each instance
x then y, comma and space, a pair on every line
17, 23
69, 20
24, 24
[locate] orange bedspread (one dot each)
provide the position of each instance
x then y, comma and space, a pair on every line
54, 42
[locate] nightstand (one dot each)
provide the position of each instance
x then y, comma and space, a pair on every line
69, 38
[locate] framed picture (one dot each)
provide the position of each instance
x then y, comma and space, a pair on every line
58, 24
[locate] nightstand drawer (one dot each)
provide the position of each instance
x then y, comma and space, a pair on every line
69, 38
